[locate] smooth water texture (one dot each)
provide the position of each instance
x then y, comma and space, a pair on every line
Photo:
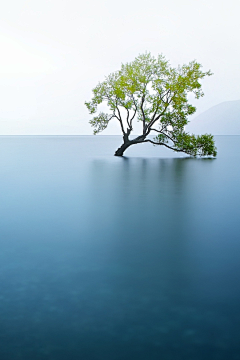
118, 258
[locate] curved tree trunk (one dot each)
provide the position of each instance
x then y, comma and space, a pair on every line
123, 147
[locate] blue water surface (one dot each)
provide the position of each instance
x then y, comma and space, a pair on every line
118, 258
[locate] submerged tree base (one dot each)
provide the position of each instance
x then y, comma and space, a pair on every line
120, 151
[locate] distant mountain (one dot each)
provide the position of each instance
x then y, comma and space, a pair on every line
222, 119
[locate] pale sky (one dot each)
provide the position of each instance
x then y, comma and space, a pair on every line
53, 52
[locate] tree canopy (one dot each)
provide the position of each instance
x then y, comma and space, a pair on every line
149, 90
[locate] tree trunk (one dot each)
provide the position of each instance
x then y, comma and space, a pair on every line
123, 147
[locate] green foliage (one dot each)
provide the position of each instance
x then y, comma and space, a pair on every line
151, 91
100, 122
190, 144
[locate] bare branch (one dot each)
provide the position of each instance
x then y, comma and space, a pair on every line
127, 117
162, 132
158, 117
159, 131
135, 111
162, 113
168, 146
120, 119
144, 119
131, 120
155, 112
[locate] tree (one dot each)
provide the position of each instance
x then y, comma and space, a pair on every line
149, 90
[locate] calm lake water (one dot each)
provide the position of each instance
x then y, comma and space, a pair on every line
106, 258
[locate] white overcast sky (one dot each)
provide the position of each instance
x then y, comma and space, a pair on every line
53, 52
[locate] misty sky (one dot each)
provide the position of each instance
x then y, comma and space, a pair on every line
53, 52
